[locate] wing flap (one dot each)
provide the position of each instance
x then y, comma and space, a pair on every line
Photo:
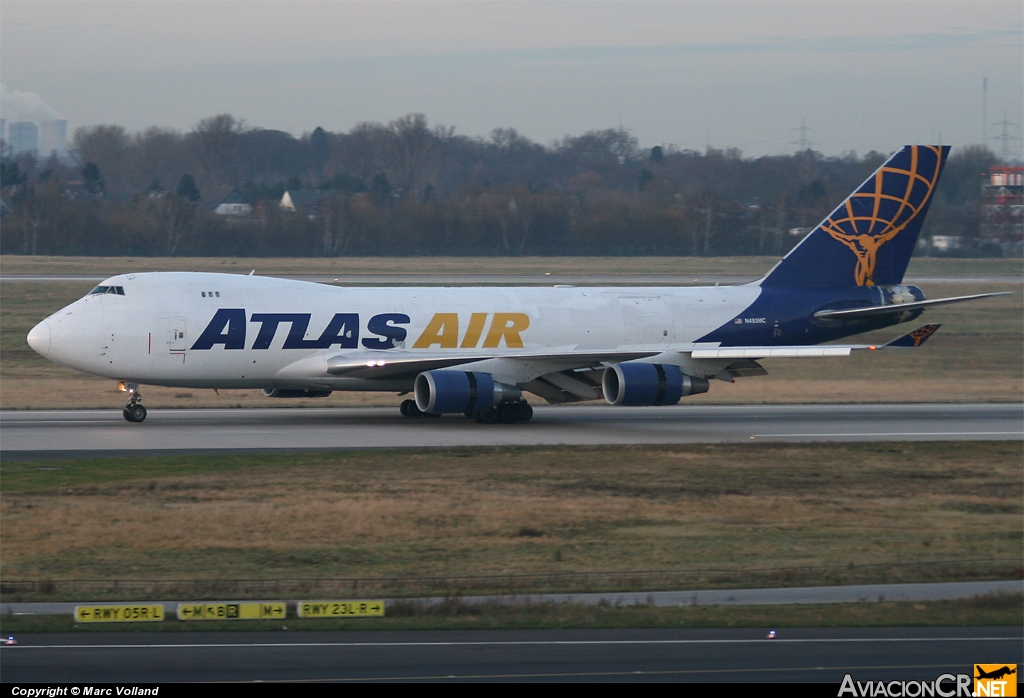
384, 364
772, 352
911, 339
855, 313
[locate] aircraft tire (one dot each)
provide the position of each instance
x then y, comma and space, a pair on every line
408, 408
525, 412
127, 415
491, 416
508, 413
136, 413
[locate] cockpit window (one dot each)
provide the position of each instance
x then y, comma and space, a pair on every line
114, 290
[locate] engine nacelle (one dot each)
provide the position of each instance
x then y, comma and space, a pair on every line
441, 392
291, 392
640, 384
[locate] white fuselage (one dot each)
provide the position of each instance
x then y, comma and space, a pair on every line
165, 328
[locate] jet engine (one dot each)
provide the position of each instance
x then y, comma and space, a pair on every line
291, 392
441, 392
641, 384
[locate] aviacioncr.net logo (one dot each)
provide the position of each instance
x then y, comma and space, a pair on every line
945, 686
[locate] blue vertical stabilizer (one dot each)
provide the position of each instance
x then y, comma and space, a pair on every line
869, 238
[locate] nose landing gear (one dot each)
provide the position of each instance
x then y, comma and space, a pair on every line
133, 410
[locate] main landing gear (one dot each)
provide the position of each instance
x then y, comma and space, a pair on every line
133, 410
408, 408
505, 413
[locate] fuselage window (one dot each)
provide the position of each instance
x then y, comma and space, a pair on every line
204, 294
218, 294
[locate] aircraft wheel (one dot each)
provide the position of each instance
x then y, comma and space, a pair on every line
135, 413
488, 417
525, 412
126, 414
408, 408
508, 413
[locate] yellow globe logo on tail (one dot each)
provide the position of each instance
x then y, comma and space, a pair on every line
876, 214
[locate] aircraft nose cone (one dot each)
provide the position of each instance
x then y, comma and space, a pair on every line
39, 338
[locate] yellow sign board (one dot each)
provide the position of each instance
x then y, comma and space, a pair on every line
231, 611
340, 609
119, 614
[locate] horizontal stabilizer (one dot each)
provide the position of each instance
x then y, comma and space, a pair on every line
857, 313
915, 338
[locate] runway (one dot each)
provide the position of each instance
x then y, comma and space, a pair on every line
31, 435
797, 654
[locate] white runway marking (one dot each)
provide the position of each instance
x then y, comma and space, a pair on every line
516, 643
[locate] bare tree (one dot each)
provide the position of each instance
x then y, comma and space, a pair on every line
334, 213
177, 216
411, 152
159, 155
216, 143
109, 147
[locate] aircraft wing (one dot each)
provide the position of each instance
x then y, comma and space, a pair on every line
855, 313
389, 364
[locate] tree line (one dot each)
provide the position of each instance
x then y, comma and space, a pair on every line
409, 188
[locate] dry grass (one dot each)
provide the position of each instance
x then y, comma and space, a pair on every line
511, 511
742, 266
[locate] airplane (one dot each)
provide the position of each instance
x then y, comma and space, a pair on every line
995, 673
476, 351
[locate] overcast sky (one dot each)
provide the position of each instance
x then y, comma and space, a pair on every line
864, 75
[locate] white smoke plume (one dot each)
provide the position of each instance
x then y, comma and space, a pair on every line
25, 106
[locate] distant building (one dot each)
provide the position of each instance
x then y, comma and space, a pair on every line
295, 199
1002, 208
946, 243
53, 136
23, 137
227, 201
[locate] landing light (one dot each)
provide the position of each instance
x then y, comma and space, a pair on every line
872, 347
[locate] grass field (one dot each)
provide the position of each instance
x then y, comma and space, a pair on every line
978, 356
511, 511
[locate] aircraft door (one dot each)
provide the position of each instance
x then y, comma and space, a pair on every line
176, 335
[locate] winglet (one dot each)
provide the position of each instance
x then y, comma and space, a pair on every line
915, 338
